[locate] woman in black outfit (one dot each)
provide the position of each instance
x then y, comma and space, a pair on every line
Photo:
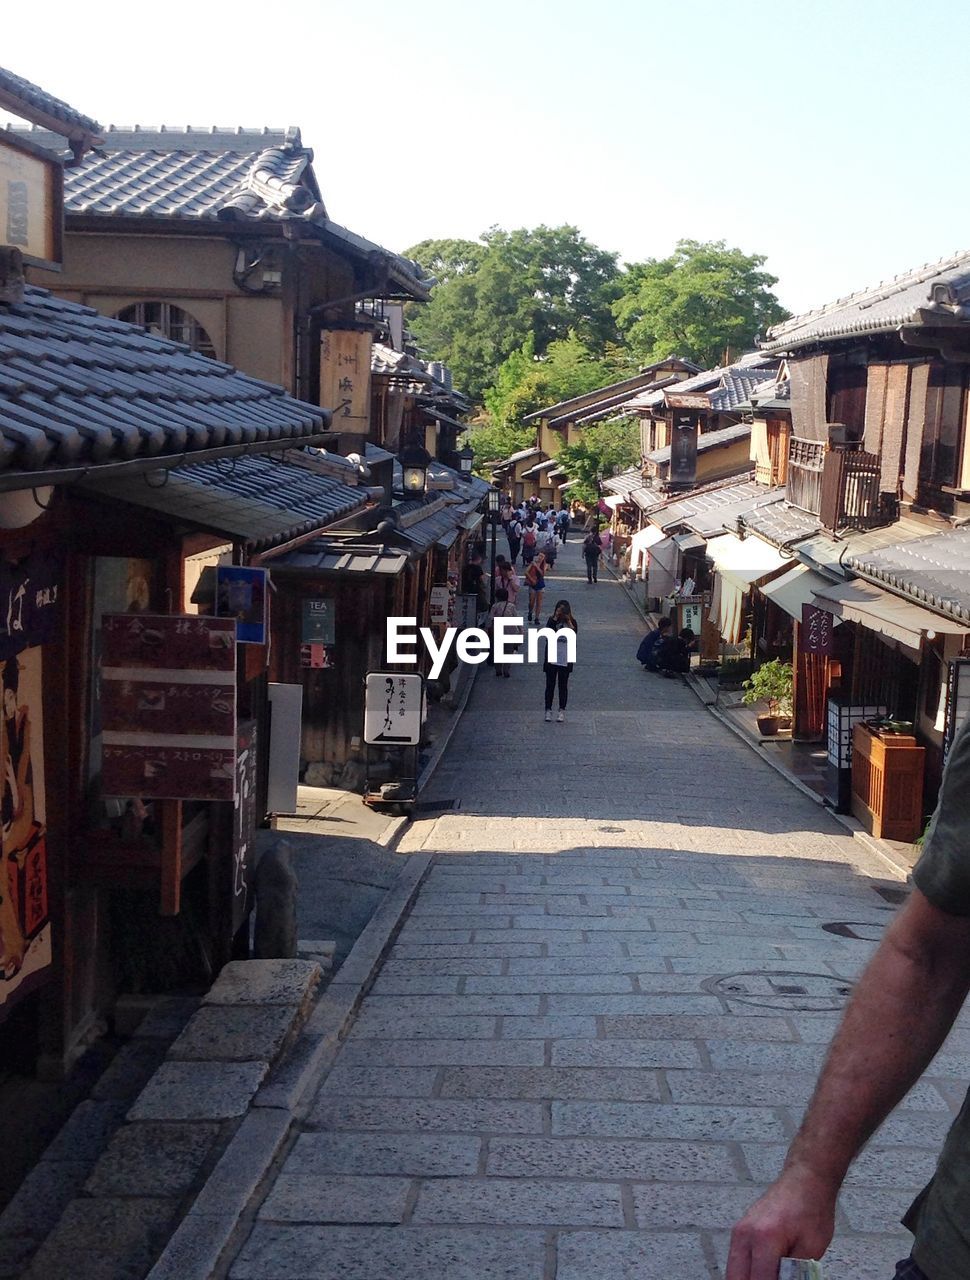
556, 667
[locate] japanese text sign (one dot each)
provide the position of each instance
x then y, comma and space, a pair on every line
168, 706
392, 709
818, 630
345, 356
30, 594
242, 594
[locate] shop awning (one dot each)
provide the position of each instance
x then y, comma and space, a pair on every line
664, 558
861, 602
738, 565
639, 544
795, 588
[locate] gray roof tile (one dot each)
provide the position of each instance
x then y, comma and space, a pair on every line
778, 523
940, 288
707, 440
80, 388
934, 571
18, 92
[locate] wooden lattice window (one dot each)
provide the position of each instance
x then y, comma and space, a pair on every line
166, 320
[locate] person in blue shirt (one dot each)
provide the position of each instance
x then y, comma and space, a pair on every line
649, 649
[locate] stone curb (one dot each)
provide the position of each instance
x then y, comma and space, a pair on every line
441, 745
195, 1250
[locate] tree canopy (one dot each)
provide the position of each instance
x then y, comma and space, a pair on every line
605, 449
542, 283
525, 382
705, 302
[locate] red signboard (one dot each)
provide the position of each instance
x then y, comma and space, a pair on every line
168, 706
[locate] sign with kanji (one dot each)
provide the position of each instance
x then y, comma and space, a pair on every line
31, 202
168, 706
345, 378
242, 594
244, 823
818, 631
392, 709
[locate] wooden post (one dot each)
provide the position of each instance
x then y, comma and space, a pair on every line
170, 813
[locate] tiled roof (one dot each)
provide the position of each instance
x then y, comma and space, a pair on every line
227, 175
727, 386
329, 556
539, 468
625, 482
778, 523
515, 457
724, 499
829, 553
707, 440
22, 98
938, 292
933, 571
639, 380
78, 389
261, 500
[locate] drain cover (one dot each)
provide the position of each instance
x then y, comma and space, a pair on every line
788, 992
611, 830
859, 930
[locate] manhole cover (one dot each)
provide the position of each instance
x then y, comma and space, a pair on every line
859, 930
788, 992
612, 831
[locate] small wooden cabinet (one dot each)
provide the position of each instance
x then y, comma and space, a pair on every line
887, 783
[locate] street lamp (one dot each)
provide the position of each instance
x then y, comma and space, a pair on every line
493, 501
466, 457
415, 461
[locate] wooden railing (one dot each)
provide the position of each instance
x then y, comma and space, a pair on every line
806, 458
850, 491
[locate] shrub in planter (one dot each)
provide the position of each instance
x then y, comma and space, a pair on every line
771, 683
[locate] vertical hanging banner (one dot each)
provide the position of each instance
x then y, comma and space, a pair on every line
242, 594
244, 829
685, 425
25, 929
818, 631
345, 356
168, 706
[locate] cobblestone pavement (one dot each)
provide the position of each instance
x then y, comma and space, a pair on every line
599, 1025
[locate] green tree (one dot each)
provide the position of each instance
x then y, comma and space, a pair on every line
493, 441
705, 302
543, 283
605, 449
525, 382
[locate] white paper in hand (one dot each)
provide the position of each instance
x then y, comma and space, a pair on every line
800, 1269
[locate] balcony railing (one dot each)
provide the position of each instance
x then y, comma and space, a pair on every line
806, 459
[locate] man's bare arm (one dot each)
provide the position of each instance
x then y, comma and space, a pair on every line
897, 1019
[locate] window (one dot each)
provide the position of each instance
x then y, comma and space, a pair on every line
166, 320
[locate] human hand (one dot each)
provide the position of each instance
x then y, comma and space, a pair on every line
795, 1218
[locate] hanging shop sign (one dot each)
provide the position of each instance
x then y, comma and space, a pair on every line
957, 701
392, 709
244, 818
31, 202
25, 927
683, 446
242, 594
692, 614
30, 593
168, 706
441, 605
818, 631
345, 356
318, 634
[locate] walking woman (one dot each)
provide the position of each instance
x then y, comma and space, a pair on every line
592, 551
502, 608
506, 579
556, 667
535, 576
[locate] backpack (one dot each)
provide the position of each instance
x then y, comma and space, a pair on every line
529, 537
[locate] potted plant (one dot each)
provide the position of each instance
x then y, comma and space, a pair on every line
771, 683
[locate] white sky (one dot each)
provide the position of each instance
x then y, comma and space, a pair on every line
826, 134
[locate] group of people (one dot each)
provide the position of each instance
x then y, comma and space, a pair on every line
665, 651
534, 530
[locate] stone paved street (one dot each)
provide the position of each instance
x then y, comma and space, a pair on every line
598, 1027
